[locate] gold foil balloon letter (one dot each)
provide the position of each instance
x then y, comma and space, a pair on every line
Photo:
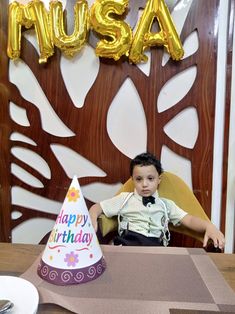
73, 43
34, 13
106, 18
118, 34
39, 16
167, 36
14, 30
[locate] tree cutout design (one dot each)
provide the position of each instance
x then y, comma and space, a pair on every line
88, 123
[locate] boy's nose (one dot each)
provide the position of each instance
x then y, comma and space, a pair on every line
145, 182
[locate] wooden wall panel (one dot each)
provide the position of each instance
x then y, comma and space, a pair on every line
89, 122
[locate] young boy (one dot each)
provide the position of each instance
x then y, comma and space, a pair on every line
143, 216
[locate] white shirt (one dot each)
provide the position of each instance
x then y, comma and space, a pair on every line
148, 220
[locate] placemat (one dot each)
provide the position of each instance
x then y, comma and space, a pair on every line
144, 280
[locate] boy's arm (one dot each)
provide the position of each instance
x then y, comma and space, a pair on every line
203, 226
95, 211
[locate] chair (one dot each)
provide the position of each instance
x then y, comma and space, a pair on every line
171, 187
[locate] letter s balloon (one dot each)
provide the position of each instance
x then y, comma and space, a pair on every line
118, 34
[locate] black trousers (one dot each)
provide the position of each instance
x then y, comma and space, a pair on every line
131, 238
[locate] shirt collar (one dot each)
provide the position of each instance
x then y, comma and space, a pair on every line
156, 195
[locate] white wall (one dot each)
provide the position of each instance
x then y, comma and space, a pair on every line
230, 204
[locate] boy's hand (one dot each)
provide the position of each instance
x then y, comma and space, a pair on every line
203, 226
95, 211
215, 235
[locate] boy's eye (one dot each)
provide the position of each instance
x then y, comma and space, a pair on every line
138, 179
151, 179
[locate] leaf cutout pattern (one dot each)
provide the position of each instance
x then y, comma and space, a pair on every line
15, 214
191, 44
20, 234
75, 164
97, 192
184, 127
90, 2
177, 164
33, 160
30, 35
176, 88
179, 15
24, 198
171, 3
145, 67
18, 115
79, 74
25, 176
15, 136
127, 134
51, 123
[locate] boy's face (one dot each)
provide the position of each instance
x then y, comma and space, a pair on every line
146, 180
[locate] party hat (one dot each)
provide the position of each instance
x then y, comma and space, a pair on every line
72, 254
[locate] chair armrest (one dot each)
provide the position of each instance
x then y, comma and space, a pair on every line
183, 230
107, 225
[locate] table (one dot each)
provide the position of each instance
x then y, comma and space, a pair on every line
15, 259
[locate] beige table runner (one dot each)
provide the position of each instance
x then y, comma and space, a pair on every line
144, 280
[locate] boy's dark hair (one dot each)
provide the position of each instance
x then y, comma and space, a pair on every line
146, 159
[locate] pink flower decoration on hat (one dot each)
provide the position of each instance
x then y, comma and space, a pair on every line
71, 259
73, 195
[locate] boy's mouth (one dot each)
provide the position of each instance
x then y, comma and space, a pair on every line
146, 192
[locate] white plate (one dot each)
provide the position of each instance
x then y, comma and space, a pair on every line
21, 292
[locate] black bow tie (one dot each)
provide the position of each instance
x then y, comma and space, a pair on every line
148, 199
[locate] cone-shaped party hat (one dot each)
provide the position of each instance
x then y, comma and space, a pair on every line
72, 254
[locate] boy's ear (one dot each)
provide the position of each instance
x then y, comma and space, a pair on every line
160, 178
